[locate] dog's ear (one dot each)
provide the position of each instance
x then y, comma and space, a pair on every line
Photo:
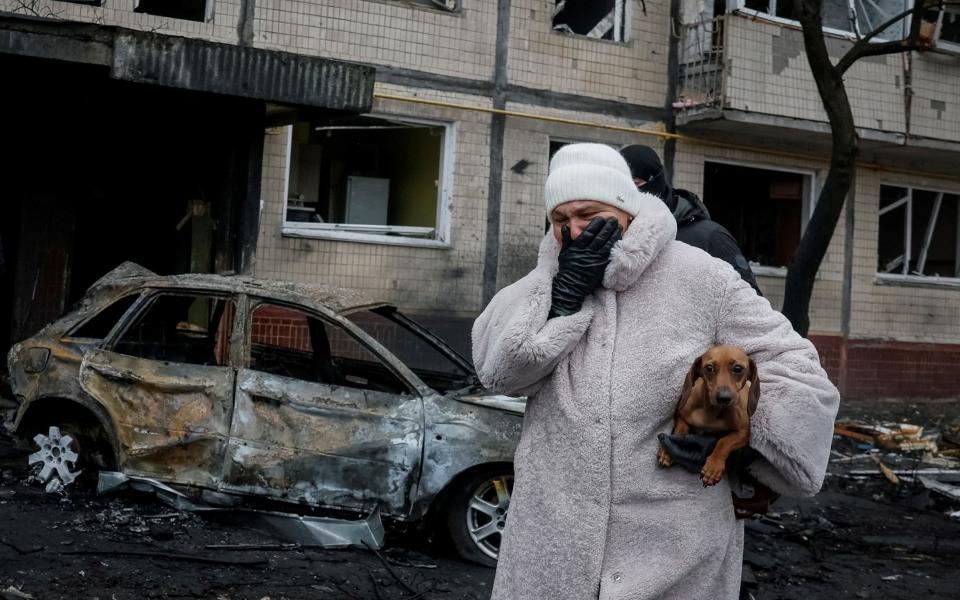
692, 375
753, 397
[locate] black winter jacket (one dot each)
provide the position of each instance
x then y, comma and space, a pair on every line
695, 227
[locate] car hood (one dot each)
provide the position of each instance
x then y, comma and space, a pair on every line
504, 403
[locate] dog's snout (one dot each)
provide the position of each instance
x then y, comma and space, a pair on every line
724, 396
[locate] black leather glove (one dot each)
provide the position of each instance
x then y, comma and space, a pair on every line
689, 451
581, 264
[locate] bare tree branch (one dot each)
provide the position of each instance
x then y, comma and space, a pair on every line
36, 8
869, 36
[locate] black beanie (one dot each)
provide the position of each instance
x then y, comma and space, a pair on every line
645, 164
643, 160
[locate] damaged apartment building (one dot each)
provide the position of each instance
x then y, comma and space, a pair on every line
399, 148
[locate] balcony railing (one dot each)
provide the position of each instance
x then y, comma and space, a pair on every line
701, 65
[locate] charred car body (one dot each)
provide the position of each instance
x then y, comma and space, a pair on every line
232, 387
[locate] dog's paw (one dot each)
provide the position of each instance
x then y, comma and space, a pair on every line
712, 472
663, 458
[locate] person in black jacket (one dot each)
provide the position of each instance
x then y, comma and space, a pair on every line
694, 225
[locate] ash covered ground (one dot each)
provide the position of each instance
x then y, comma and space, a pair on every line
860, 538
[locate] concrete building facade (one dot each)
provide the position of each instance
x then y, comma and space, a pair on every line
432, 200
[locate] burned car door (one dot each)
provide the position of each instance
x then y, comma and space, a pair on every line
320, 418
166, 381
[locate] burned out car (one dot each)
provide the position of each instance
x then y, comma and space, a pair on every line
233, 387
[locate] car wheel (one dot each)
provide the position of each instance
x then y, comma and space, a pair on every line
64, 456
477, 513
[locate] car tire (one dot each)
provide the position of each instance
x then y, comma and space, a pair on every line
476, 513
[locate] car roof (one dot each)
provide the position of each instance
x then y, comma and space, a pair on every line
335, 299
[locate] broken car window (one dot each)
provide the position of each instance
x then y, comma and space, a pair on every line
292, 343
423, 358
98, 326
193, 329
599, 19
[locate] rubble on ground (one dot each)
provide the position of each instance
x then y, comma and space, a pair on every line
905, 454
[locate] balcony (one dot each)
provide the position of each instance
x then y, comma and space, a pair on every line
744, 79
701, 65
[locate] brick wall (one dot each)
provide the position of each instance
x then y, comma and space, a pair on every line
877, 369
284, 328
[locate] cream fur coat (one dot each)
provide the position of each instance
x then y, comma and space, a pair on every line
592, 515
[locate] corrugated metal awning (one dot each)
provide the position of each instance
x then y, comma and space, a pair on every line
241, 71
193, 64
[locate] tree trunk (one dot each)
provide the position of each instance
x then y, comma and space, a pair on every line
819, 231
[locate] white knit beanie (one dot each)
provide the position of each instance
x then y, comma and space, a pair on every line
591, 172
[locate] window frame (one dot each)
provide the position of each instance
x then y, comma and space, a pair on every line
121, 320
149, 297
739, 6
623, 25
378, 234
809, 199
911, 278
412, 327
208, 12
414, 384
939, 43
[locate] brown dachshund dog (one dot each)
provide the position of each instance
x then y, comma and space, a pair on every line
720, 394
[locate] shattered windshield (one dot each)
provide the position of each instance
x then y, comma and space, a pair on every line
431, 362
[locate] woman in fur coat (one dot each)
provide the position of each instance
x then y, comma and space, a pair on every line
599, 337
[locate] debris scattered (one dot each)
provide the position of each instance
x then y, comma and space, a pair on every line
887, 472
12, 593
325, 532
950, 491
903, 454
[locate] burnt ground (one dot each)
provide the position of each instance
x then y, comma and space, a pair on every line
858, 539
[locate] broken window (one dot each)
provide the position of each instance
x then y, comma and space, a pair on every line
763, 209
447, 5
420, 354
190, 10
918, 232
193, 329
292, 343
950, 25
98, 326
871, 14
600, 19
366, 175
860, 16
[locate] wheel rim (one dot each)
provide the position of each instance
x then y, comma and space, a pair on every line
487, 514
57, 455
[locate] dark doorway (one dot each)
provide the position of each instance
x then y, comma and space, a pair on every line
100, 172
